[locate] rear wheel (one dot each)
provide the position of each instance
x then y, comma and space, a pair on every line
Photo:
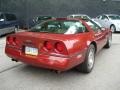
88, 64
113, 28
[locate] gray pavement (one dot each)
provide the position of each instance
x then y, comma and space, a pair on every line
105, 75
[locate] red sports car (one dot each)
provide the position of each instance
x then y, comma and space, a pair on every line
59, 44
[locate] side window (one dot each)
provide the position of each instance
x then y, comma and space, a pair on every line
94, 26
104, 17
10, 17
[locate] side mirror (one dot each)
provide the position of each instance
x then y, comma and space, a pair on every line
2, 20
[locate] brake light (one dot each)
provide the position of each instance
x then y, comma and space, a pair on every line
59, 47
12, 40
15, 41
48, 45
9, 40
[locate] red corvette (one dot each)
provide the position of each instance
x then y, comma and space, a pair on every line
59, 44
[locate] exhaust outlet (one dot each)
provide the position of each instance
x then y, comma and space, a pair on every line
14, 60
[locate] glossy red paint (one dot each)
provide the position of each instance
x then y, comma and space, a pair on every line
55, 51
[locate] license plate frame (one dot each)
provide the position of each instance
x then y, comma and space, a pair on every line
31, 51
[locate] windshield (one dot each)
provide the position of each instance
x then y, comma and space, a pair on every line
115, 17
59, 27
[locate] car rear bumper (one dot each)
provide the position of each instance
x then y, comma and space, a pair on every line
60, 63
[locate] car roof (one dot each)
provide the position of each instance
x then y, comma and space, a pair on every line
110, 14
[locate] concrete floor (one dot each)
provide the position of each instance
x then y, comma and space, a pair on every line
105, 75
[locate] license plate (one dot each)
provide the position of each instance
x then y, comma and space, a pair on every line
31, 51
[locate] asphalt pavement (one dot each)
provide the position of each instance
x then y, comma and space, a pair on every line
105, 75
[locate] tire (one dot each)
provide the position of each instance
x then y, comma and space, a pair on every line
109, 42
88, 64
113, 28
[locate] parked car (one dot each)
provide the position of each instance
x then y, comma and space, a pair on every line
111, 21
83, 17
40, 19
59, 44
33, 21
8, 23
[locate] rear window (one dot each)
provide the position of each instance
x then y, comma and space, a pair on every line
60, 27
10, 17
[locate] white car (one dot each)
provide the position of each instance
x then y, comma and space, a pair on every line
83, 17
111, 21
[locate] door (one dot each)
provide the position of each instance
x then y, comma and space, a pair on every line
99, 34
104, 21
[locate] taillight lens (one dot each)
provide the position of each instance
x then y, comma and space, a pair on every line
48, 45
12, 40
9, 40
59, 47
15, 41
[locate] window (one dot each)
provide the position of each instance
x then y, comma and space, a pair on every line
94, 26
60, 27
114, 17
104, 17
84, 17
10, 17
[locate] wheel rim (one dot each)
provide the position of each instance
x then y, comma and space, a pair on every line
113, 28
91, 58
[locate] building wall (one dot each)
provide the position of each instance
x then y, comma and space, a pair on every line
27, 9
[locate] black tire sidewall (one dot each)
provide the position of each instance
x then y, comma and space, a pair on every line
84, 66
86, 59
113, 27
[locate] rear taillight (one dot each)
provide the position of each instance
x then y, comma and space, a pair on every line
59, 47
12, 40
15, 41
48, 45
9, 40
54, 47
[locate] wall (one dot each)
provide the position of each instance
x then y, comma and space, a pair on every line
27, 9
